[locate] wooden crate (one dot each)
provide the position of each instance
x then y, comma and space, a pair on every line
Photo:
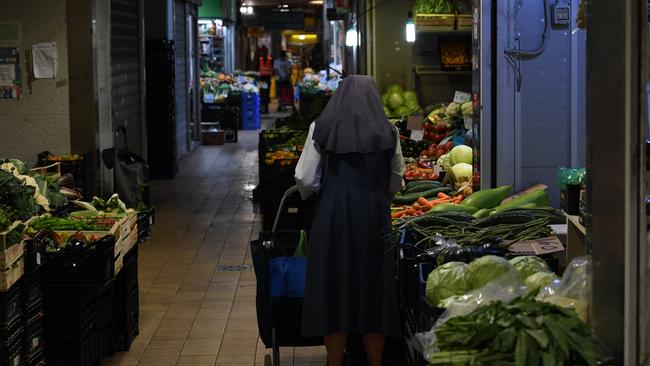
130, 241
441, 20
53, 169
11, 255
9, 277
3, 235
465, 20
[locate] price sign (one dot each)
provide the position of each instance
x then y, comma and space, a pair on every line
462, 97
540, 246
417, 135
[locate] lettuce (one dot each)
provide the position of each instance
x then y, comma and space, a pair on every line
486, 269
528, 265
448, 280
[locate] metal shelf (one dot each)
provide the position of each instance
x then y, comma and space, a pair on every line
442, 29
431, 70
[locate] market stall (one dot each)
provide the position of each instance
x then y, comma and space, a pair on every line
69, 269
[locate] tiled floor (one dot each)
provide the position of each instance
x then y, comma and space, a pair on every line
191, 312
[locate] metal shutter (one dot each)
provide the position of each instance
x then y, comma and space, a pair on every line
125, 69
180, 39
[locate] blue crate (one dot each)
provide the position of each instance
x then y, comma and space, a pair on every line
251, 123
250, 101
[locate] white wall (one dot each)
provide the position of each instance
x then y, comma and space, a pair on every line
40, 120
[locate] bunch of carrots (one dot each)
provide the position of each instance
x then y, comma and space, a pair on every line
423, 205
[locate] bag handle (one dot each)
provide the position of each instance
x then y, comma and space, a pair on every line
118, 130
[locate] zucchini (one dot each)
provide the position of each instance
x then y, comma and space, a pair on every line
487, 198
538, 197
429, 220
506, 217
420, 182
454, 215
481, 213
409, 198
427, 185
454, 207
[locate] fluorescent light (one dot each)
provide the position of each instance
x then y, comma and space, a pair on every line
410, 28
316, 2
351, 38
285, 10
249, 10
301, 37
285, 5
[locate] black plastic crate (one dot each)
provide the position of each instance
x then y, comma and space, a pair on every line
37, 359
32, 289
10, 304
92, 265
11, 343
125, 317
83, 352
33, 341
146, 219
105, 298
107, 340
34, 254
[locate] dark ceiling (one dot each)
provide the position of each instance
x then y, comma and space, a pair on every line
275, 2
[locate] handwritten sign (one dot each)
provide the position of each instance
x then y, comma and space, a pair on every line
551, 244
417, 135
414, 122
462, 97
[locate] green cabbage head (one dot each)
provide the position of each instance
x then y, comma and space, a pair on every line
486, 269
395, 100
395, 88
448, 280
539, 280
528, 265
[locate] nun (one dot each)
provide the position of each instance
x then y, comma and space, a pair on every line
353, 160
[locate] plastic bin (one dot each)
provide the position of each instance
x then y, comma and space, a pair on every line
92, 265
10, 305
11, 343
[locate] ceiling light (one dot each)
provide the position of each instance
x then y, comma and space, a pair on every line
316, 2
284, 10
301, 37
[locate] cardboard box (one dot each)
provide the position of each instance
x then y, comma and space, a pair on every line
442, 20
217, 137
548, 245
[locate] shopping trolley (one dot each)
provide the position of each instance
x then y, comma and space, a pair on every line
280, 288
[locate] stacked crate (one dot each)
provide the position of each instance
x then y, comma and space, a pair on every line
73, 281
11, 327
250, 109
126, 302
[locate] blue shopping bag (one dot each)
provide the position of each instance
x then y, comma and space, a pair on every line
287, 276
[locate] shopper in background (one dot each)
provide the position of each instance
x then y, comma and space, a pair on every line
353, 158
282, 69
266, 71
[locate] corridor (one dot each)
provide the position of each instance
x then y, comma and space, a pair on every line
197, 285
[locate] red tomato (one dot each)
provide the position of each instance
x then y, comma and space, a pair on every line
449, 145
429, 135
428, 125
440, 152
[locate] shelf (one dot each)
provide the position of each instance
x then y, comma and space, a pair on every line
430, 70
442, 29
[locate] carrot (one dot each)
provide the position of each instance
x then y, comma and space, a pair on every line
443, 195
440, 200
423, 201
458, 199
426, 208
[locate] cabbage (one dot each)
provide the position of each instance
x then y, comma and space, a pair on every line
445, 281
527, 265
395, 100
384, 98
539, 280
411, 105
22, 168
402, 111
486, 269
395, 88
443, 161
453, 108
467, 109
460, 154
462, 172
410, 95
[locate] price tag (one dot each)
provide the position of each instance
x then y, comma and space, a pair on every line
468, 123
417, 135
540, 246
292, 210
38, 259
35, 342
462, 97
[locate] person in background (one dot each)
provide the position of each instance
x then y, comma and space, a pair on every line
265, 68
316, 57
353, 159
282, 69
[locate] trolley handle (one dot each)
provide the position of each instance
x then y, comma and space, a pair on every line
286, 195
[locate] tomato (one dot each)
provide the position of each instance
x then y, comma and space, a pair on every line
449, 145
440, 152
429, 135
428, 125
439, 137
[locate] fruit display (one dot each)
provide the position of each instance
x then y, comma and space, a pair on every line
284, 158
398, 102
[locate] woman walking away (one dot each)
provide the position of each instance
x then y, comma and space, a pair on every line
353, 158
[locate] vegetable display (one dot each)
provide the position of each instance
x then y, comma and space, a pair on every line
524, 332
445, 281
399, 103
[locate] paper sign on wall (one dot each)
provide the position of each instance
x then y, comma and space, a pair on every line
10, 80
45, 60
